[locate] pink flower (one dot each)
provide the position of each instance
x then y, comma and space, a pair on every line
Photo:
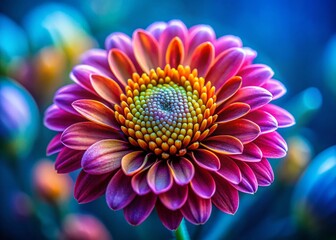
173, 119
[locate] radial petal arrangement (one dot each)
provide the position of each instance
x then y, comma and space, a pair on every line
171, 118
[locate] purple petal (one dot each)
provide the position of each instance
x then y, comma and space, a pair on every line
182, 170
81, 75
206, 159
226, 42
55, 145
263, 171
133, 162
229, 170
170, 219
228, 89
119, 192
90, 187
264, 120
97, 58
255, 74
250, 55
223, 144
275, 87
272, 145
139, 209
226, 197
174, 198
284, 118
159, 177
249, 183
104, 156
203, 184
251, 153
156, 29
200, 34
232, 112
68, 160
140, 184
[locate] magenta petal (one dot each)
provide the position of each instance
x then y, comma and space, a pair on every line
170, 219
225, 66
263, 171
249, 183
226, 42
255, 74
251, 153
55, 145
229, 170
203, 184
139, 209
90, 187
121, 42
159, 177
264, 120
232, 112
226, 197
228, 89
272, 145
140, 184
223, 144
97, 58
182, 170
196, 210
206, 159
284, 118
119, 192
156, 29
250, 55
200, 34
68, 160
202, 58
81, 75
57, 119
275, 87
174, 198
104, 156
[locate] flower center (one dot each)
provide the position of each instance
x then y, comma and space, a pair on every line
168, 111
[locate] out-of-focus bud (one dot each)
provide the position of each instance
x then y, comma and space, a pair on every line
314, 198
49, 185
298, 157
19, 120
84, 227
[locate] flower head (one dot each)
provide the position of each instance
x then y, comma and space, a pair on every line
172, 118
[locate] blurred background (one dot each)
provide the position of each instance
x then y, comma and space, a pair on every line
40, 41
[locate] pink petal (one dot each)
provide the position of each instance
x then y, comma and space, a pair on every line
249, 183
81, 75
139, 209
156, 29
272, 145
245, 130
202, 58
159, 177
263, 171
255, 74
275, 87
57, 119
229, 170
232, 112
284, 118
121, 65
175, 52
223, 144
203, 184
251, 153
96, 112
226, 197
68, 160
139, 183
107, 88
174, 198
170, 219
119, 192
206, 159
264, 120
146, 50
104, 156
96, 58
256, 97
250, 56
80, 136
225, 66
90, 187
200, 34
133, 162
182, 170
226, 42
196, 210
55, 145
228, 89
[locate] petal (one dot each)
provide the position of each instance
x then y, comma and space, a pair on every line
174, 198
146, 50
121, 65
119, 192
249, 183
229, 170
96, 58
196, 210
272, 145
57, 119
206, 159
96, 112
80, 74
264, 120
90, 187
104, 156
275, 87
245, 130
107, 88
226, 42
139, 209
203, 184
226, 197
175, 52
170, 219
156, 29
133, 162
200, 34
182, 170
228, 89
202, 58
55, 145
255, 74
232, 112
159, 177
284, 118
223, 144
256, 97
80, 136
225, 66
139, 183
68, 160
251, 153
250, 56
263, 171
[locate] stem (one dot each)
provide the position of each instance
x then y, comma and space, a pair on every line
181, 232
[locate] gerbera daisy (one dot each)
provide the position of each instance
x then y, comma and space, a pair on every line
171, 118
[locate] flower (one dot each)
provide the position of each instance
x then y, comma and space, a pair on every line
172, 118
